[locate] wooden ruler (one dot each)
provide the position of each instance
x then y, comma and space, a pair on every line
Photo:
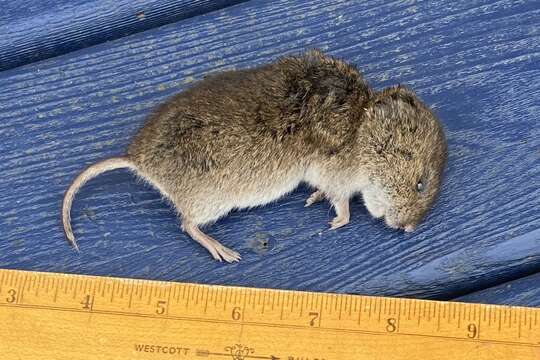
57, 316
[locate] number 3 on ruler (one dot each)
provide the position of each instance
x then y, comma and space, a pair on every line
12, 296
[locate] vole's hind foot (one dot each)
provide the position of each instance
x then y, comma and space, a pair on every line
342, 212
315, 197
218, 251
338, 222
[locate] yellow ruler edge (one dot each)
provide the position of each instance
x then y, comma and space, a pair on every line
62, 316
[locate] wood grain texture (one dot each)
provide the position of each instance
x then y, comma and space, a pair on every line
475, 62
524, 291
35, 30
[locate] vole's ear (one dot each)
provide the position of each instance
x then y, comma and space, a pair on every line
397, 93
315, 74
315, 54
396, 107
386, 109
319, 92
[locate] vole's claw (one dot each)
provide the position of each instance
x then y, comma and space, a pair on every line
214, 254
224, 253
220, 253
229, 255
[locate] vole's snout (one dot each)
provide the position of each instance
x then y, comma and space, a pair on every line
399, 225
409, 228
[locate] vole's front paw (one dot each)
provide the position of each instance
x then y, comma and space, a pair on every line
338, 222
315, 197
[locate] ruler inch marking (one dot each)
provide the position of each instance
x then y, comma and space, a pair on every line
92, 298
112, 293
38, 285
340, 306
321, 306
132, 288
459, 316
398, 315
360, 311
20, 297
519, 326
56, 287
378, 304
3, 275
282, 310
207, 296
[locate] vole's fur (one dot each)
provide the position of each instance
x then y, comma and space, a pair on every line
245, 138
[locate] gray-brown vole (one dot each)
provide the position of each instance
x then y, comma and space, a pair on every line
240, 139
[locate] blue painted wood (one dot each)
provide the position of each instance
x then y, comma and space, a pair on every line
520, 292
475, 62
36, 29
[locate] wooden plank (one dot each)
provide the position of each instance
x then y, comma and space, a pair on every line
475, 62
520, 292
36, 30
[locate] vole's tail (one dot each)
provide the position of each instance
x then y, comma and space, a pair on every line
91, 172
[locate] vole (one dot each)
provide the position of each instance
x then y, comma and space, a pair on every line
245, 138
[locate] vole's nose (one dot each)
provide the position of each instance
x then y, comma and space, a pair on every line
409, 228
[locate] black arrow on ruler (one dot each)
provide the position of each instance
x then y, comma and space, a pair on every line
206, 353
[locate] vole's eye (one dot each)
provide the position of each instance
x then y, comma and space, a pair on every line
420, 186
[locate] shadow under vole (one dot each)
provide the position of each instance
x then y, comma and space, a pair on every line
244, 138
